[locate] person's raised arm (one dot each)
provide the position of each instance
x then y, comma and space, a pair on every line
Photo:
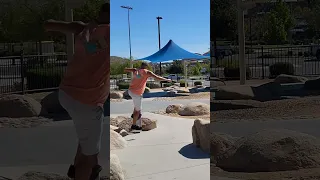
65, 27
159, 78
130, 69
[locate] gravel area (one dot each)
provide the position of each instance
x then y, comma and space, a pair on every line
26, 122
288, 109
303, 174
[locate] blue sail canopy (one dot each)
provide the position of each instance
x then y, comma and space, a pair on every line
172, 51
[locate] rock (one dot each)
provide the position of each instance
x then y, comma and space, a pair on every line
272, 150
116, 171
312, 84
147, 90
125, 123
243, 92
267, 92
126, 95
115, 128
17, 106
116, 141
33, 175
219, 144
116, 95
148, 124
174, 108
200, 134
195, 109
284, 78
123, 133
52, 104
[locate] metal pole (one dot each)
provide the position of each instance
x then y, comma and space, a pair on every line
131, 60
241, 37
159, 40
70, 36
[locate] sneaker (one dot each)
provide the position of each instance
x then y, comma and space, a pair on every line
136, 128
94, 175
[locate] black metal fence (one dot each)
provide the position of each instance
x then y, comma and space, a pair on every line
29, 73
305, 60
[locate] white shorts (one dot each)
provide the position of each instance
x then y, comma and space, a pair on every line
137, 101
88, 122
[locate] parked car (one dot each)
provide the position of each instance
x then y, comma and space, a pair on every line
174, 77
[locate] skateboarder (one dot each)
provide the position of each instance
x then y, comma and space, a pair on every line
85, 88
136, 89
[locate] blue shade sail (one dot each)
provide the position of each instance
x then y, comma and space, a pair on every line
171, 51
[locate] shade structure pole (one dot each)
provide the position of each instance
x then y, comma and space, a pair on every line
185, 73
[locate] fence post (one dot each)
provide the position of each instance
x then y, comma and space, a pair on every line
22, 70
262, 62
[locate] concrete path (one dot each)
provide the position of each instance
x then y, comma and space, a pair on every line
164, 153
126, 106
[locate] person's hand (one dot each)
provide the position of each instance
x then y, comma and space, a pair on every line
169, 80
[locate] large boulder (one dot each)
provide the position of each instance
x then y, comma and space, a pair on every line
234, 93
116, 95
148, 124
17, 106
200, 134
174, 108
284, 79
272, 150
52, 104
116, 171
116, 141
219, 143
195, 109
33, 175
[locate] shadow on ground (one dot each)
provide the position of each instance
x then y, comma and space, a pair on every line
192, 152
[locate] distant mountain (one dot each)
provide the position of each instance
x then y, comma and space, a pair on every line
117, 59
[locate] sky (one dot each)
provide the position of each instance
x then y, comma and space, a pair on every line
186, 22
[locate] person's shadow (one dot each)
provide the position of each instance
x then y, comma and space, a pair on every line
190, 151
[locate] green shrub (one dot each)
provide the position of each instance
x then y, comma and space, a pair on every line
233, 73
41, 78
197, 83
153, 85
123, 85
281, 68
183, 83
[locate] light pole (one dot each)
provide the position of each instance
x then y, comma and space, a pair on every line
158, 18
129, 8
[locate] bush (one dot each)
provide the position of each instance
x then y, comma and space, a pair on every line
281, 68
153, 85
123, 85
183, 83
233, 73
197, 83
44, 78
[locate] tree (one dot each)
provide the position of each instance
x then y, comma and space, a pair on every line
278, 23
176, 68
223, 19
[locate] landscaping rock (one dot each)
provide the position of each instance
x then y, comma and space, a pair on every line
116, 141
52, 104
174, 108
219, 144
33, 175
126, 95
200, 134
195, 109
116, 171
115, 128
147, 90
234, 93
284, 79
17, 106
267, 92
123, 133
272, 150
125, 123
116, 95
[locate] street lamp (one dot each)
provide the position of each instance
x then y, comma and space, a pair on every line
158, 18
129, 8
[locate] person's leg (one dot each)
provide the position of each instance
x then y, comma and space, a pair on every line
88, 121
137, 101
